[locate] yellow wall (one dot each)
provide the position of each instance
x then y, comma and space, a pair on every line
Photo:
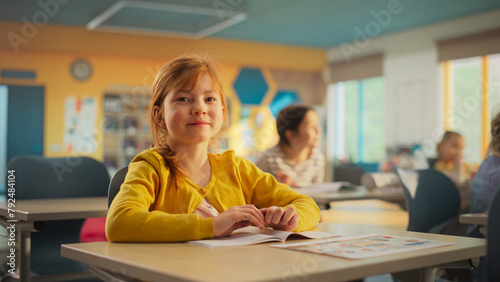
123, 60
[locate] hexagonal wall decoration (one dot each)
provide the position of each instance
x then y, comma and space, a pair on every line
250, 86
283, 99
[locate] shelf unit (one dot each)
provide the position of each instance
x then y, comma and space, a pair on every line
126, 128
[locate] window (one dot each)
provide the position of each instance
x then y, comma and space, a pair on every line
471, 98
357, 120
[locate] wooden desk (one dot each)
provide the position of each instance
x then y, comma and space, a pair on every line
474, 218
390, 195
480, 219
186, 262
26, 212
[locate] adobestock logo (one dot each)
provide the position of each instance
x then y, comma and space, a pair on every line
362, 37
49, 9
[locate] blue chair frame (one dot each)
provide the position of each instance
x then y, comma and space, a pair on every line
431, 197
116, 183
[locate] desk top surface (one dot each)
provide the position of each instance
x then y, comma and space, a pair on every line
181, 261
391, 194
56, 209
474, 218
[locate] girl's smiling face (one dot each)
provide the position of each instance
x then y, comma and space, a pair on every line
194, 114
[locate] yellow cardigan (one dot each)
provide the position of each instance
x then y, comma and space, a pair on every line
147, 209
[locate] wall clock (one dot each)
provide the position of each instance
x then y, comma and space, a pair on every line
81, 69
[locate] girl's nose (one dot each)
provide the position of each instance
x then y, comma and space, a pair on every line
199, 109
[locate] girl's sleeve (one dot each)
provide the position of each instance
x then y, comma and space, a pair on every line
130, 219
264, 191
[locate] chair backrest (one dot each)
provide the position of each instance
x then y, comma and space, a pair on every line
38, 177
349, 173
431, 197
493, 238
116, 182
45, 178
431, 162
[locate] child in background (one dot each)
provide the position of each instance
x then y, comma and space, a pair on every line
177, 191
484, 185
450, 160
296, 160
487, 179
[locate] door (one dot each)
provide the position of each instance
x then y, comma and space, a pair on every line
25, 120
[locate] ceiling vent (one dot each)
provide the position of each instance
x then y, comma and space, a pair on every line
167, 19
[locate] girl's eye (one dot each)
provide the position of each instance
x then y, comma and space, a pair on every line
182, 99
211, 99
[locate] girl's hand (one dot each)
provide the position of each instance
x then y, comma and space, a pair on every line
458, 160
278, 218
237, 217
284, 178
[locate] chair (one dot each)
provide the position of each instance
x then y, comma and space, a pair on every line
42, 178
431, 162
493, 238
431, 197
433, 202
113, 189
116, 182
349, 173
93, 229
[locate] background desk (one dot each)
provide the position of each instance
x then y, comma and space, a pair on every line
480, 219
57, 209
28, 211
186, 262
474, 218
392, 195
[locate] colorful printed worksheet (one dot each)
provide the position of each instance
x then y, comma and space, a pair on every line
364, 246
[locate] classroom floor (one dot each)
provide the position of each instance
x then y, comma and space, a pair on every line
368, 212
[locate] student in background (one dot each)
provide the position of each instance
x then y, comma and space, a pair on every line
484, 185
450, 160
487, 179
296, 160
177, 191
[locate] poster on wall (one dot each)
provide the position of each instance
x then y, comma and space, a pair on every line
79, 125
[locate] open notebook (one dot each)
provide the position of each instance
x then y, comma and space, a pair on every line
253, 235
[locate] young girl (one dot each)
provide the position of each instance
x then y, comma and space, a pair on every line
450, 159
296, 160
177, 191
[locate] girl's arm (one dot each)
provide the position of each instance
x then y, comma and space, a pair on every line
264, 191
130, 218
